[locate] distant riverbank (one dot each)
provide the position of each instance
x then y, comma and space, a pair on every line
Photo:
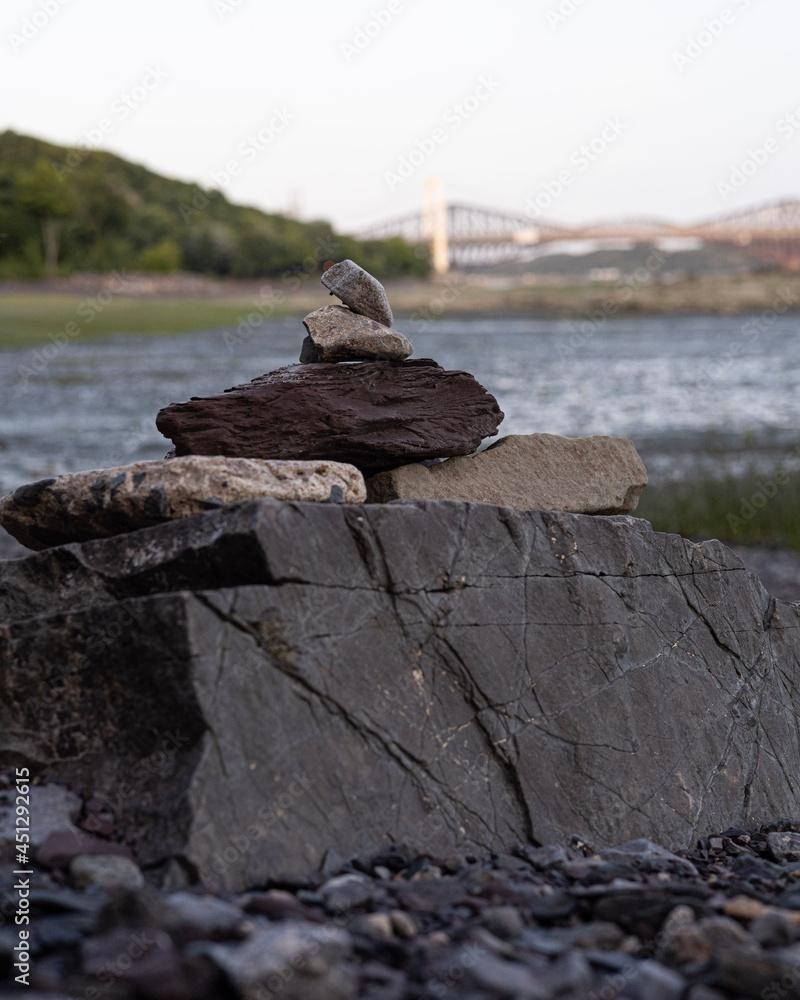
95, 305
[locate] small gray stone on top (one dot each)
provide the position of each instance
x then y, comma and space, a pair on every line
359, 290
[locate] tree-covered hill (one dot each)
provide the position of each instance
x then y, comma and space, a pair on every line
64, 210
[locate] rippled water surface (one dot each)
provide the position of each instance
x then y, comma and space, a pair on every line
683, 388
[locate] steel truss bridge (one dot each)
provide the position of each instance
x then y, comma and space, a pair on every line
471, 236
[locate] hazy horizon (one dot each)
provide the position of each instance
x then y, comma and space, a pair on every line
569, 110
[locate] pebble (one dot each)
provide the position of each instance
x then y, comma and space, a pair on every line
61, 846
651, 981
544, 858
203, 916
775, 929
784, 846
648, 856
109, 871
297, 960
503, 921
346, 892
376, 925
403, 925
556, 923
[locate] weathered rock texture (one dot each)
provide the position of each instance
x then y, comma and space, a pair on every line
255, 685
359, 290
336, 333
84, 505
374, 415
590, 475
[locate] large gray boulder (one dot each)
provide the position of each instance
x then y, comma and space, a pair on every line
251, 687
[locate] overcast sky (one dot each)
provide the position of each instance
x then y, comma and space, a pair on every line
568, 110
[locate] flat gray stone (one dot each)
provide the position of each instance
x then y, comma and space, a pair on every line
81, 506
359, 290
336, 333
444, 677
590, 475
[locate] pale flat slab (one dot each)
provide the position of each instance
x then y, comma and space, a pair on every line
588, 475
100, 503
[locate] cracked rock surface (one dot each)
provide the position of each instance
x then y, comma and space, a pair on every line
261, 684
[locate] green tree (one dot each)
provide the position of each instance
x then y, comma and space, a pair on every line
89, 210
164, 256
51, 202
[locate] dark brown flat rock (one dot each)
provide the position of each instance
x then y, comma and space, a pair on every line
374, 415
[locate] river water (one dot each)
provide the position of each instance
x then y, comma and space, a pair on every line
711, 391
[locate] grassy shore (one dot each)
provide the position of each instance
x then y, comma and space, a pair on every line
749, 509
30, 315
31, 319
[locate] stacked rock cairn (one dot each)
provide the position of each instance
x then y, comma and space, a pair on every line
357, 419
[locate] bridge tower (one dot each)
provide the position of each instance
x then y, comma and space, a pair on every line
434, 224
